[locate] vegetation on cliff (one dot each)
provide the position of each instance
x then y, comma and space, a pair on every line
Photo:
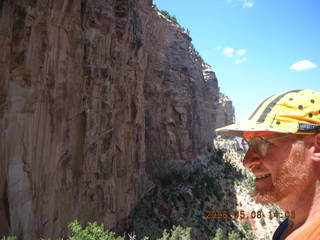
187, 194
94, 231
172, 18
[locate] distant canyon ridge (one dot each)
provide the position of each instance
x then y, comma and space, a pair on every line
96, 98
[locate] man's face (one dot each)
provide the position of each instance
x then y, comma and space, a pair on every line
281, 171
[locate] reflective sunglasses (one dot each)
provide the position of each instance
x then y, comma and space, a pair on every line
261, 144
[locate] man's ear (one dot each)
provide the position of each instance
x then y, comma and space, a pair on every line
315, 149
316, 142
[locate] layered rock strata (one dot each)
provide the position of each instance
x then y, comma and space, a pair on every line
96, 97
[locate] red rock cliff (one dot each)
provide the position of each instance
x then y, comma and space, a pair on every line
95, 98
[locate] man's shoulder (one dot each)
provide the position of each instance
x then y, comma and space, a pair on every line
309, 231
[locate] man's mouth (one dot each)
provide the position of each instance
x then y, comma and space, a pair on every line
262, 177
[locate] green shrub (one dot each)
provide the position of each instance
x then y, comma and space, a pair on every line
167, 14
219, 235
9, 238
93, 231
249, 185
233, 235
262, 221
250, 236
246, 226
177, 233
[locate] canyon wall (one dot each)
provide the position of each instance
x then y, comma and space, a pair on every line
225, 111
96, 98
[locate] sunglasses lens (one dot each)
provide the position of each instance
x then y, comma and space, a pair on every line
263, 148
259, 145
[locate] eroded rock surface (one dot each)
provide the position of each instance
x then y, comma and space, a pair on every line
95, 98
225, 111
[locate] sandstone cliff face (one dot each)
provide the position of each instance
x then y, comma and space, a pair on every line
181, 97
225, 111
96, 97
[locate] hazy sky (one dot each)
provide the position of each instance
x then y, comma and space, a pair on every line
256, 47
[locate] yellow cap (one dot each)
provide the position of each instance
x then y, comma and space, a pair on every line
296, 111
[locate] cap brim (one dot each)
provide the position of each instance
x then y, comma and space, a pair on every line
237, 129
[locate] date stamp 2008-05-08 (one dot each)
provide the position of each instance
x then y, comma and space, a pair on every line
242, 215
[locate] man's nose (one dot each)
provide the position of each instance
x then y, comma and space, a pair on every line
251, 159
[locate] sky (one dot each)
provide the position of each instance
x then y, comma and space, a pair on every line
257, 48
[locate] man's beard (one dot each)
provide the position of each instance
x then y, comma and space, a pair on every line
293, 174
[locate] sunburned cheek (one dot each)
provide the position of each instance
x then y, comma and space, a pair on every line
286, 157
289, 172
294, 170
